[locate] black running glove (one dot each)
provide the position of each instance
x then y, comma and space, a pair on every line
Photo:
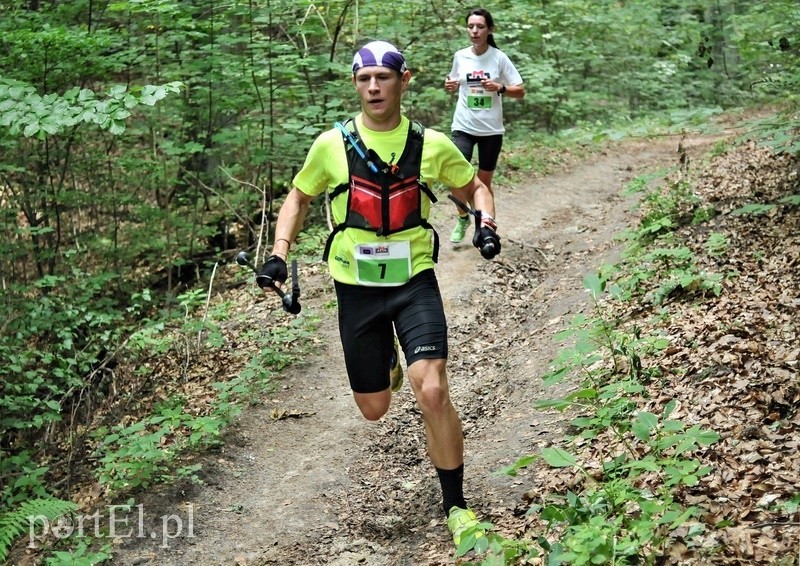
486, 238
274, 270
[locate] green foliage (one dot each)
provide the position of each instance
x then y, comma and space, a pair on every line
149, 451
720, 148
81, 555
140, 454
665, 207
753, 209
793, 505
17, 521
521, 463
662, 273
24, 479
22, 110
703, 214
625, 512
498, 550
53, 342
770, 61
717, 244
311, 241
686, 283
758, 209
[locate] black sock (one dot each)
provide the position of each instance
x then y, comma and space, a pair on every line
452, 488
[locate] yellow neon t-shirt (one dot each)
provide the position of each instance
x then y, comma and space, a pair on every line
325, 168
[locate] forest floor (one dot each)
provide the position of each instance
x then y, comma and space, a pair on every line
302, 478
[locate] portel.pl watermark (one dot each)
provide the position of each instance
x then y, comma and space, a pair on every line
113, 521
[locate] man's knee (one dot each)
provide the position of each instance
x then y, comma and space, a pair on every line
430, 384
373, 405
433, 397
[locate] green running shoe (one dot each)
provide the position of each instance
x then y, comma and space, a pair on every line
460, 230
396, 371
463, 523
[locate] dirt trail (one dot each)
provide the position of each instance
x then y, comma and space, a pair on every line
332, 488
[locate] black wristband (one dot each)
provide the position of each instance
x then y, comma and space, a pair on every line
502, 89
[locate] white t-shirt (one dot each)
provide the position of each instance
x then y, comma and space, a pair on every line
479, 112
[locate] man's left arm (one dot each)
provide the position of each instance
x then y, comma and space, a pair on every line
485, 238
480, 195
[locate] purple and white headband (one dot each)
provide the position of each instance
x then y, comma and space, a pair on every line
379, 54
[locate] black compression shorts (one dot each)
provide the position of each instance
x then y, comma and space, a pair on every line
488, 148
366, 316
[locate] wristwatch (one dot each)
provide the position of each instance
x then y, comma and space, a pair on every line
502, 89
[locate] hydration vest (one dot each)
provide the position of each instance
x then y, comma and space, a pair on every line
386, 201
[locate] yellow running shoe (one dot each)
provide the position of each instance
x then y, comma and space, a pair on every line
462, 523
396, 371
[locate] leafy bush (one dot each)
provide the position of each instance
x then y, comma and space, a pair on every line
141, 454
58, 334
15, 523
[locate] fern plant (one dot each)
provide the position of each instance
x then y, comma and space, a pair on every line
15, 522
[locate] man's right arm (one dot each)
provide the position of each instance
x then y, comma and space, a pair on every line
290, 221
314, 178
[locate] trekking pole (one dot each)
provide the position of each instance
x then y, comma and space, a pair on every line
291, 303
489, 246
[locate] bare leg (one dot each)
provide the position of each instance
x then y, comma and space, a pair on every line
486, 179
459, 194
373, 405
443, 432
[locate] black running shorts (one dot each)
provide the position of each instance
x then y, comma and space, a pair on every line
366, 317
488, 148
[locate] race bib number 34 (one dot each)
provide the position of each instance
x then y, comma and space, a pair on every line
479, 101
387, 264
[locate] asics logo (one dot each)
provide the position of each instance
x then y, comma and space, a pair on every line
419, 349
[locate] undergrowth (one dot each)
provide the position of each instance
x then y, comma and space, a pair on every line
624, 509
156, 444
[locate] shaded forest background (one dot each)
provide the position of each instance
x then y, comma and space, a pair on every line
144, 142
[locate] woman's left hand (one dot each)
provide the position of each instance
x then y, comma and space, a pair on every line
490, 85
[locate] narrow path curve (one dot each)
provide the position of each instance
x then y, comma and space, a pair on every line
331, 488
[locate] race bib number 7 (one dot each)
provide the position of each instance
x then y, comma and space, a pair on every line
387, 264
